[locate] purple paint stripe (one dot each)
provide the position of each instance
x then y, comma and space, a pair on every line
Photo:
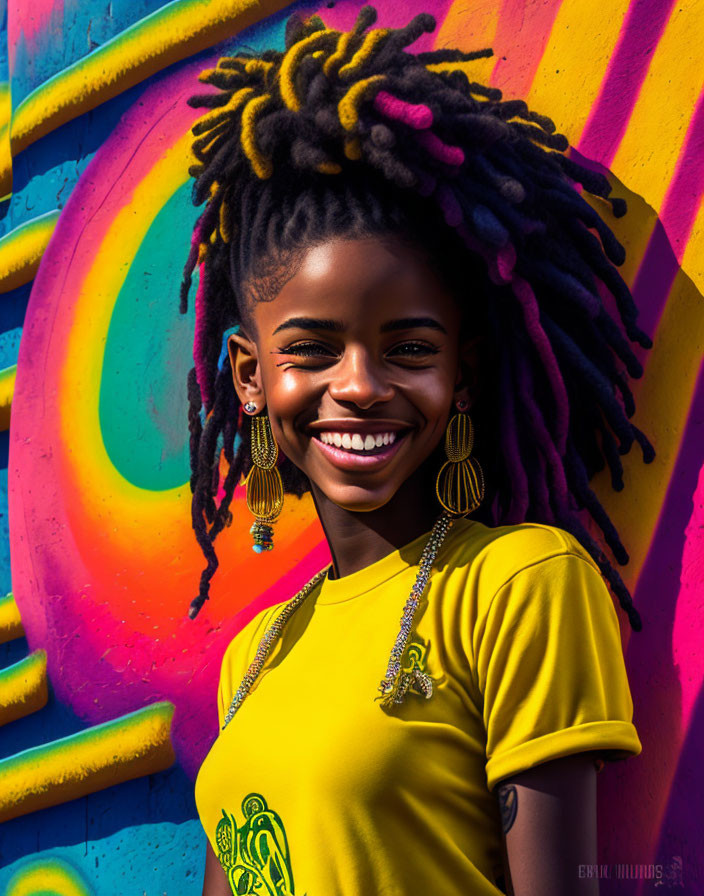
684, 194
637, 40
656, 274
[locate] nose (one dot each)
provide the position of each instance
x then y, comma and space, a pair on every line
360, 379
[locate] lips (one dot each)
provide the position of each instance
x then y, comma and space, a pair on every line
359, 444
357, 441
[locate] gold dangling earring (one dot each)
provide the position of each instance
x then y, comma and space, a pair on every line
460, 482
265, 490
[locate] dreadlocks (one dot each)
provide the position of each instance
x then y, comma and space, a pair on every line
347, 133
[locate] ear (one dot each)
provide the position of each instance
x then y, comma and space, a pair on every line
467, 385
246, 372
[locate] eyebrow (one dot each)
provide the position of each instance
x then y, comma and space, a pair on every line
336, 326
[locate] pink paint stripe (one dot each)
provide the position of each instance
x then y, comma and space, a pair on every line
288, 584
686, 631
31, 21
684, 194
637, 41
522, 34
342, 17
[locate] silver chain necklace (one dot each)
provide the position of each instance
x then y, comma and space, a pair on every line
396, 682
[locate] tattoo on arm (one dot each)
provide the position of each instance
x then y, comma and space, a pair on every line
508, 806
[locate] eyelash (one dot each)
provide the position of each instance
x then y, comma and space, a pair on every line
312, 349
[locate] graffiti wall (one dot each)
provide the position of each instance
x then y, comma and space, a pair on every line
107, 690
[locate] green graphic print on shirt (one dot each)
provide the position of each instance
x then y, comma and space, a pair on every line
255, 856
416, 660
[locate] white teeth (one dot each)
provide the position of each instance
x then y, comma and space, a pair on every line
356, 441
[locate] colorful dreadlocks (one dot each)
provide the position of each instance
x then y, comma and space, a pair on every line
347, 133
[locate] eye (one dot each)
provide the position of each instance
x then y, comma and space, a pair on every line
414, 349
307, 350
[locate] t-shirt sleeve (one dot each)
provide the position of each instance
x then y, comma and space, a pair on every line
237, 659
551, 671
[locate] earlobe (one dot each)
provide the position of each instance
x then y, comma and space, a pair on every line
246, 375
464, 388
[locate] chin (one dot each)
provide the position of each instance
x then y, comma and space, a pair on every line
360, 502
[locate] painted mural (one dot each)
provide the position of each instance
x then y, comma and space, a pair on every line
107, 690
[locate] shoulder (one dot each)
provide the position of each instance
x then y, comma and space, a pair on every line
245, 641
238, 655
241, 649
482, 560
500, 552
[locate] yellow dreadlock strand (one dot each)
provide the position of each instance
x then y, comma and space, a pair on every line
353, 148
348, 107
258, 66
338, 56
328, 168
291, 60
261, 165
223, 223
208, 121
369, 44
228, 65
229, 62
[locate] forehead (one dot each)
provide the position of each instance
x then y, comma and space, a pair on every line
360, 282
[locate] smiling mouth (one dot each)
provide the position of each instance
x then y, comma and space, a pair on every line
359, 443
358, 450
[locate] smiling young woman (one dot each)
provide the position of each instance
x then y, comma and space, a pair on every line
398, 310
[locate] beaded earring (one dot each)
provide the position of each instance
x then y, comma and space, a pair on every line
265, 491
460, 482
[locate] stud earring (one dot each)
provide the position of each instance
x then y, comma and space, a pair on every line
265, 491
460, 482
250, 407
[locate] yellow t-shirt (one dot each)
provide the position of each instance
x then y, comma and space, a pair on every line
314, 789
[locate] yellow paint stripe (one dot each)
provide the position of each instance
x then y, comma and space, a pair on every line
10, 622
21, 250
693, 258
574, 63
174, 32
5, 153
129, 747
7, 390
47, 876
23, 687
85, 349
648, 152
454, 32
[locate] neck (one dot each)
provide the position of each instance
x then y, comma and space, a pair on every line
358, 539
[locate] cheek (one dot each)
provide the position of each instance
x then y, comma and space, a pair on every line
284, 387
433, 394
288, 395
287, 391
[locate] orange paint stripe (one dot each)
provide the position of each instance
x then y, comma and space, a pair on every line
521, 38
457, 31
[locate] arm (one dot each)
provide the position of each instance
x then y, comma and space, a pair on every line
215, 882
548, 816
